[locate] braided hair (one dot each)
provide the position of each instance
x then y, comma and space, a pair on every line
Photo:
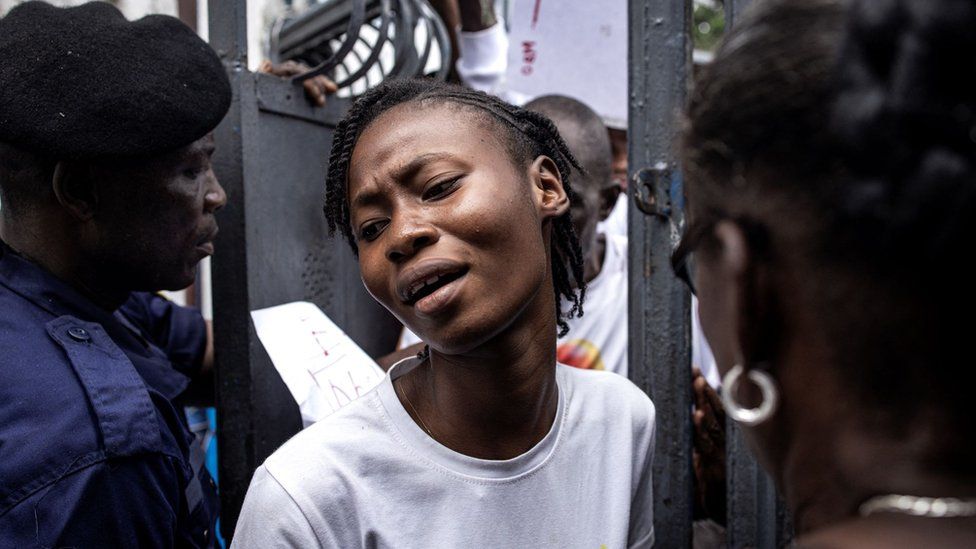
847, 129
529, 136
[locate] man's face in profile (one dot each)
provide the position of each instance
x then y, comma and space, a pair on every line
155, 217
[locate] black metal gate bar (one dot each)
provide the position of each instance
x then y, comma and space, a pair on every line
272, 152
756, 516
232, 333
659, 316
733, 8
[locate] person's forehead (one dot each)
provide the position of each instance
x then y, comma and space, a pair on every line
157, 167
204, 146
407, 131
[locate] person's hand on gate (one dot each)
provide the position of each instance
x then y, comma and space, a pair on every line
708, 454
316, 88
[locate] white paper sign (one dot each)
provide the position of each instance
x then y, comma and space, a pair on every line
322, 367
571, 47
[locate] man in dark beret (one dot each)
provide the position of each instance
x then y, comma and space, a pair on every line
106, 195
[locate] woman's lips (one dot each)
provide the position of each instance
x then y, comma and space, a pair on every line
442, 297
414, 277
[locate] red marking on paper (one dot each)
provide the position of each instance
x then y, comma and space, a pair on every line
528, 56
535, 13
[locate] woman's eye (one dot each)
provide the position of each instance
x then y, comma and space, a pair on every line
370, 231
440, 190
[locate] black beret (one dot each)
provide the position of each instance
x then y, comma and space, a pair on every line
84, 82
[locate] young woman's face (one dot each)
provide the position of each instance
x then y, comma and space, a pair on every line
450, 231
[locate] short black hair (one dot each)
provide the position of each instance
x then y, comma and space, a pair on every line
848, 129
528, 134
585, 132
25, 180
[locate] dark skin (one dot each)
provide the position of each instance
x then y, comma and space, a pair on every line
112, 227
708, 453
590, 210
618, 144
592, 207
818, 445
435, 185
316, 88
470, 15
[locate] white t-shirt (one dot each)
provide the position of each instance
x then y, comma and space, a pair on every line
369, 476
701, 353
598, 339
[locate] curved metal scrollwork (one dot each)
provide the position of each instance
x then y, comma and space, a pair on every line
360, 43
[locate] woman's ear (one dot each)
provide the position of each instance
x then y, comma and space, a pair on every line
76, 193
551, 197
751, 294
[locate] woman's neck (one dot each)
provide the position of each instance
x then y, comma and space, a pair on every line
867, 466
495, 402
832, 470
830, 450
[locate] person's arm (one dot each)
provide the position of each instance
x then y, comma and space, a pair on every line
463, 16
316, 88
641, 534
476, 15
482, 47
185, 337
123, 502
708, 453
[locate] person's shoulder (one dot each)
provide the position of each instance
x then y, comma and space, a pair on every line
603, 390
270, 515
320, 470
20, 317
342, 441
37, 381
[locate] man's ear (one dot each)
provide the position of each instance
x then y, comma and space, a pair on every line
77, 193
552, 199
608, 199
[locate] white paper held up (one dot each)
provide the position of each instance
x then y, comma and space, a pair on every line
322, 367
570, 47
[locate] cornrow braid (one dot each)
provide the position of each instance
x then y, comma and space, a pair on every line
530, 135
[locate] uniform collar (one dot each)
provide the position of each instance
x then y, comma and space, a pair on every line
43, 289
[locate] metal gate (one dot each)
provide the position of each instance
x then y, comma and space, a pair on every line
274, 248
660, 68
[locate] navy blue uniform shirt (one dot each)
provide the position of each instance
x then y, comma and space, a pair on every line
93, 450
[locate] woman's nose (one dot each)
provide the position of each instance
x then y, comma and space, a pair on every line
408, 238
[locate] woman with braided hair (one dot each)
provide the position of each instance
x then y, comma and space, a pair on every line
830, 161
457, 205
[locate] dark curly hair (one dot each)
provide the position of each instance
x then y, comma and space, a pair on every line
528, 134
846, 131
